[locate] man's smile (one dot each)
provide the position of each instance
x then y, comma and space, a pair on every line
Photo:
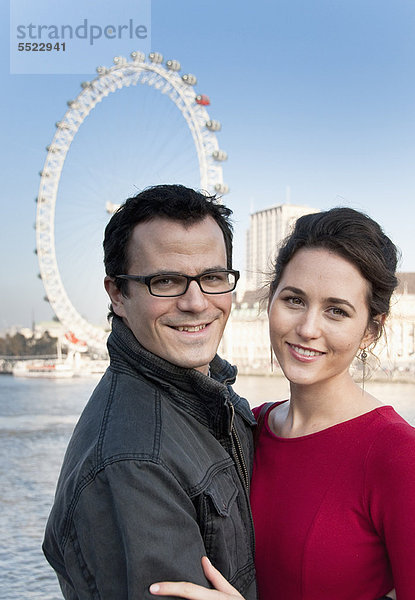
191, 328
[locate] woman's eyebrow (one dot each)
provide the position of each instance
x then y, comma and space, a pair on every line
295, 290
341, 301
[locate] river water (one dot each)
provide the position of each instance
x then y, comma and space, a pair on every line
36, 421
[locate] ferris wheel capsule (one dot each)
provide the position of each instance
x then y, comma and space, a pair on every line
86, 84
173, 65
219, 155
138, 56
213, 125
156, 57
202, 99
111, 208
119, 60
102, 70
72, 104
61, 125
189, 79
221, 188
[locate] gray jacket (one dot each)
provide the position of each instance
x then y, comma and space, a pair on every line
155, 476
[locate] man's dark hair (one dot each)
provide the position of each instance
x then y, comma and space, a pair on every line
175, 202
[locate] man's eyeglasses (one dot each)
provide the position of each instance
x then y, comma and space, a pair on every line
168, 285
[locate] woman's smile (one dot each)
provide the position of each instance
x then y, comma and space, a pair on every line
304, 354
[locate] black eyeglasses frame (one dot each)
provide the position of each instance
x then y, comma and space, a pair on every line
146, 279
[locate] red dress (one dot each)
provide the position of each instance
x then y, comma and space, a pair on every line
334, 511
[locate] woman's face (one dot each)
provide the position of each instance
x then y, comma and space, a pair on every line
318, 316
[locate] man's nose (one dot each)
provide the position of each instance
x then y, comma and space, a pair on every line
194, 300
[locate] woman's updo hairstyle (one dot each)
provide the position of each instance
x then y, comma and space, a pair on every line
354, 236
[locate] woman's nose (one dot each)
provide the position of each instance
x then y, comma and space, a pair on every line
309, 325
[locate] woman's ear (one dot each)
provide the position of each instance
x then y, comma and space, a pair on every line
373, 331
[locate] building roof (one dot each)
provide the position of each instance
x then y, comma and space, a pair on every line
287, 206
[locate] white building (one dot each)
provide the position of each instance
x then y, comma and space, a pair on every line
399, 350
267, 229
245, 342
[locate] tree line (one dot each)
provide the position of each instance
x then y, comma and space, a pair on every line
20, 345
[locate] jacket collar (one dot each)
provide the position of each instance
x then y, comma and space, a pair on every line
208, 399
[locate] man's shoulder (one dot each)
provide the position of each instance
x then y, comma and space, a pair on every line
121, 417
129, 418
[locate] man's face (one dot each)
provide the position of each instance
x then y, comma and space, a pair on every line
185, 330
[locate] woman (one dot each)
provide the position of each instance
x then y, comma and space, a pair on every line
333, 487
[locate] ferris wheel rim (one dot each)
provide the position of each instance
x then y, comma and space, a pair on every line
109, 80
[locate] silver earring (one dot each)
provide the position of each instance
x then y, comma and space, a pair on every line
363, 357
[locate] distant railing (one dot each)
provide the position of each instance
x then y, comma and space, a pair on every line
28, 357
7, 362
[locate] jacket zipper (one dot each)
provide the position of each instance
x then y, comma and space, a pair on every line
238, 453
241, 466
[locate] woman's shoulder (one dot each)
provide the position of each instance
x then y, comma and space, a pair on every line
265, 408
389, 419
393, 438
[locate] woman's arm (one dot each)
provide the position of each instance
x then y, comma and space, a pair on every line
183, 589
222, 588
390, 489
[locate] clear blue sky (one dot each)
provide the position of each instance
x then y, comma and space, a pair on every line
317, 95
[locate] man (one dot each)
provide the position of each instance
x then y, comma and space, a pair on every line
156, 474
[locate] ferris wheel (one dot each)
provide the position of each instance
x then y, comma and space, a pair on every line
165, 80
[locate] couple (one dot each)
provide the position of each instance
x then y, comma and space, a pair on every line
158, 471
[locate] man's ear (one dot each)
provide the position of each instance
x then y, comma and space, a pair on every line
117, 299
373, 331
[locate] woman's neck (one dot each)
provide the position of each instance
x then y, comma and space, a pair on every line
313, 408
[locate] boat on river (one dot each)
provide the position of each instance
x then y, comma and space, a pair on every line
39, 368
